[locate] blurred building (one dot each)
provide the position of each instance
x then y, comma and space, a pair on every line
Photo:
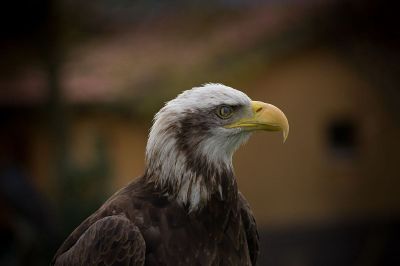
78, 102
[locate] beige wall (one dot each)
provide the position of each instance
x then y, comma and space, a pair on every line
124, 142
302, 181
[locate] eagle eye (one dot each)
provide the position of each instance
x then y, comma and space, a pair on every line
225, 111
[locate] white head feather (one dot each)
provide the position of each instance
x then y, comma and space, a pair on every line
168, 163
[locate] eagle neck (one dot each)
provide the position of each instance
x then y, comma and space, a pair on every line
199, 185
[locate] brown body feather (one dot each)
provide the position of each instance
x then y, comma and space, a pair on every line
139, 226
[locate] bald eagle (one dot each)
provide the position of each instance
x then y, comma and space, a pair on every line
186, 209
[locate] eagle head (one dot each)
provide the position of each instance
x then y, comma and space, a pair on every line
194, 136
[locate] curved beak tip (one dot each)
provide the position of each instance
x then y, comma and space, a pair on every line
278, 117
285, 130
285, 135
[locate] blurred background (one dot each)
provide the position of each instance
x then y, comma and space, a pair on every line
81, 80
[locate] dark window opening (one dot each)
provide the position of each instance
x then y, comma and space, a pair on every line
342, 137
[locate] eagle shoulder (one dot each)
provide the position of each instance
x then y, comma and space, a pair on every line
250, 227
111, 240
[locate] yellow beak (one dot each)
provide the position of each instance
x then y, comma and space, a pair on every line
265, 117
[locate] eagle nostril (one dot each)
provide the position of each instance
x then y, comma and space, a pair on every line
259, 109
